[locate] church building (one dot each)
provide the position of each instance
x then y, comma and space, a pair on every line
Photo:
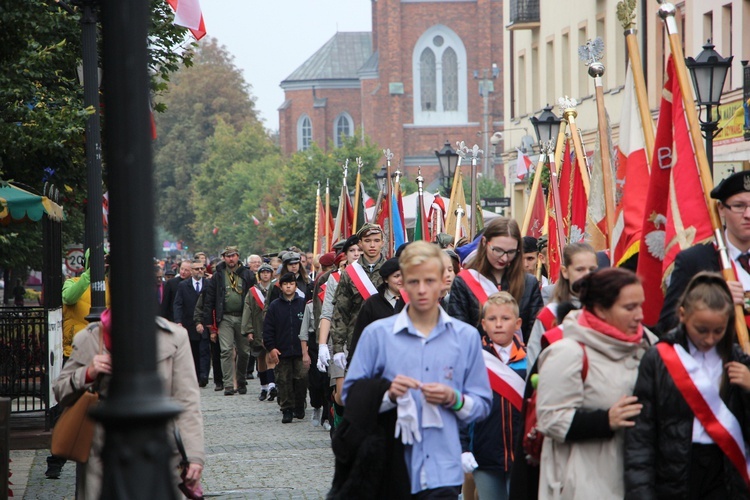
429, 72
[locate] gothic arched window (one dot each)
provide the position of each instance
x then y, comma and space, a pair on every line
342, 126
304, 133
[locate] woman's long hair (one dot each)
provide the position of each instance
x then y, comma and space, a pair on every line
302, 272
562, 291
710, 291
514, 273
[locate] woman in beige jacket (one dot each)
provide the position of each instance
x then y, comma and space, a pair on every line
89, 363
585, 385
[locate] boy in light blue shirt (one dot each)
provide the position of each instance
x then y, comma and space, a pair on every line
437, 374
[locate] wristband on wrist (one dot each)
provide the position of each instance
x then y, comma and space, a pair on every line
459, 402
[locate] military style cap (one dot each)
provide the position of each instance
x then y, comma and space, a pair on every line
369, 229
230, 251
530, 244
350, 242
291, 258
338, 246
444, 240
389, 267
541, 243
327, 259
738, 182
265, 267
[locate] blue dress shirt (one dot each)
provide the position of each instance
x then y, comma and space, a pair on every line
452, 355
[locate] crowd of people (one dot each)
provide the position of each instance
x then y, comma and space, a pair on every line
449, 371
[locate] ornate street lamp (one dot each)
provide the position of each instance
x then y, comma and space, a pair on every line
380, 177
546, 126
708, 71
448, 159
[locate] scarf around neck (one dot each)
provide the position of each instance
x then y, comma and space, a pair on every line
590, 320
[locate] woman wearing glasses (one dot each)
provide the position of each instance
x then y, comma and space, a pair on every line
496, 267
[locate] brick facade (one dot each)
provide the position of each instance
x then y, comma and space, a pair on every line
389, 118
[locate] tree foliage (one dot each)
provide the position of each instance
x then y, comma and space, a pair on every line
42, 117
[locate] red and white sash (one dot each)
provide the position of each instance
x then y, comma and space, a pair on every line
361, 281
480, 286
504, 380
322, 293
548, 316
260, 299
702, 396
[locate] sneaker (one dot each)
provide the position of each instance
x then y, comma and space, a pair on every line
229, 392
263, 395
242, 389
288, 417
299, 413
316, 417
326, 426
219, 387
273, 393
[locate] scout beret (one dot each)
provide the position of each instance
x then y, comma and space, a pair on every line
738, 182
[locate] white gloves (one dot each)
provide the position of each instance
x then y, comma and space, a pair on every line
468, 462
407, 424
339, 359
324, 357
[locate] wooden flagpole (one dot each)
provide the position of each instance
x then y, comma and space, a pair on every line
535, 186
626, 14
387, 191
328, 217
569, 112
356, 194
555, 186
316, 241
667, 13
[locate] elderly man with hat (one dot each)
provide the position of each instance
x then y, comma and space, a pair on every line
733, 194
225, 297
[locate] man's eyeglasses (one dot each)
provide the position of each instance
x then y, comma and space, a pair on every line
738, 208
499, 252
197, 268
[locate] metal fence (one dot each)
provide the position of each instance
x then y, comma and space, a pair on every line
23, 358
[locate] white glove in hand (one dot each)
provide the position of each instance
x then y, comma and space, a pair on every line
324, 357
407, 424
468, 462
339, 359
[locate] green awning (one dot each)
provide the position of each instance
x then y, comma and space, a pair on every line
18, 204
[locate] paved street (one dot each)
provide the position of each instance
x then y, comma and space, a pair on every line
250, 454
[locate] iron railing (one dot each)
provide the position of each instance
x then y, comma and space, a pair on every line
524, 13
23, 358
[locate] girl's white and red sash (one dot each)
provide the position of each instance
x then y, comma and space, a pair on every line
548, 316
361, 281
504, 380
322, 293
260, 299
702, 396
479, 285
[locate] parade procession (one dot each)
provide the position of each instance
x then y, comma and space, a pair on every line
344, 273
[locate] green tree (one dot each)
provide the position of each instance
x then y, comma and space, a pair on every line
200, 96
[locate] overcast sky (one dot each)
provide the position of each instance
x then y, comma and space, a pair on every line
270, 39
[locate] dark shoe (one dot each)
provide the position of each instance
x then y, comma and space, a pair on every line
229, 392
250, 376
242, 389
272, 394
53, 471
203, 383
219, 387
263, 395
299, 413
288, 417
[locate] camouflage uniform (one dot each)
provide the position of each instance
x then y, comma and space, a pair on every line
252, 321
348, 302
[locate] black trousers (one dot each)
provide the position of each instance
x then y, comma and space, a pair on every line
201, 357
216, 363
442, 493
317, 382
707, 478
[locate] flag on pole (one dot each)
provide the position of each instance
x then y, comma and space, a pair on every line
367, 202
397, 216
670, 223
457, 198
255, 220
523, 165
188, 14
342, 228
436, 216
553, 254
421, 227
383, 214
537, 214
632, 175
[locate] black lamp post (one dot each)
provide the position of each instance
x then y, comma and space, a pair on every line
380, 177
448, 160
546, 126
708, 71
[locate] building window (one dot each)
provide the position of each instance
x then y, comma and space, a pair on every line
304, 133
440, 73
343, 126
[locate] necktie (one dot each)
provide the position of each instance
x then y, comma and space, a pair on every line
744, 261
198, 286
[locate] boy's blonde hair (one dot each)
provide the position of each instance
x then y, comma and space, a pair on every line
419, 252
501, 299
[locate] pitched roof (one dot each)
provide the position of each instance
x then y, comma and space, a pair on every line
338, 59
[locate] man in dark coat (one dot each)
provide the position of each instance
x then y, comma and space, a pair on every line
166, 307
733, 194
188, 292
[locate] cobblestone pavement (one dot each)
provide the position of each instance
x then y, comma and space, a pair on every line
250, 454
